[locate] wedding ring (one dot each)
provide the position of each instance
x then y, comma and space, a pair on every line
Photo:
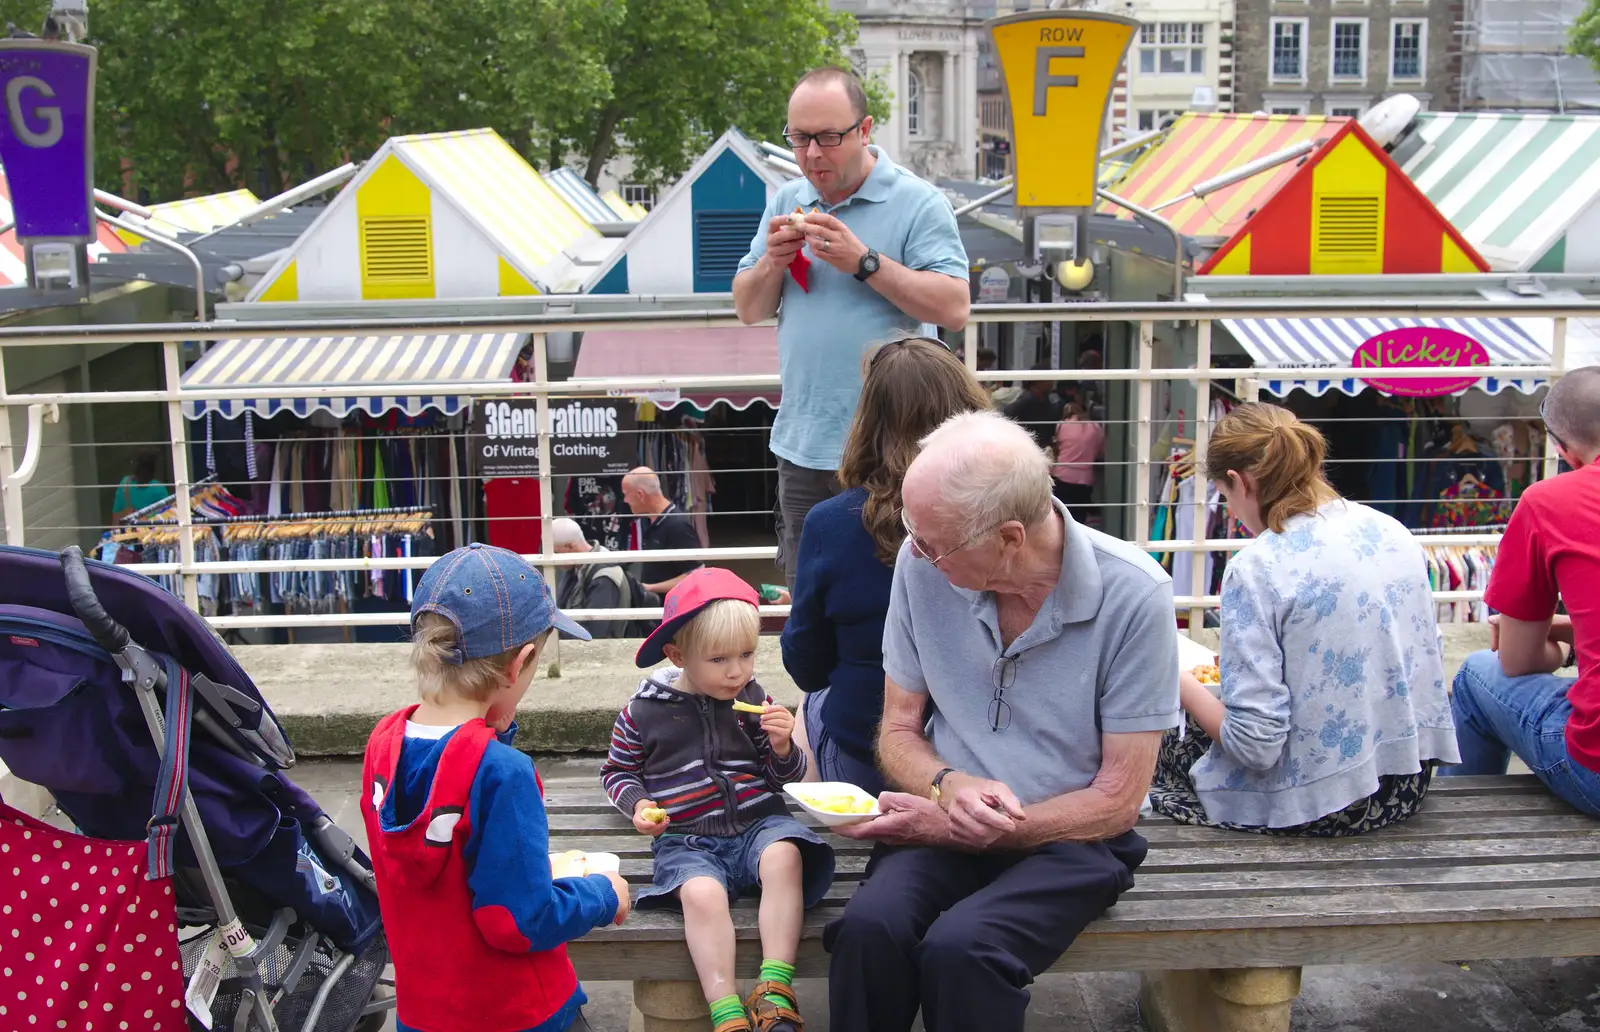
826, 246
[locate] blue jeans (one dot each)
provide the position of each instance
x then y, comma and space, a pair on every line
833, 762
1498, 715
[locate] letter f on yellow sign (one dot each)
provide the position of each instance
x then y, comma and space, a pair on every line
1059, 72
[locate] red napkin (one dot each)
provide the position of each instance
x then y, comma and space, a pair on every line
800, 269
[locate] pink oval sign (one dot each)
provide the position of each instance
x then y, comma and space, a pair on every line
1415, 347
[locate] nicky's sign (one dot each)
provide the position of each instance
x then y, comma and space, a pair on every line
1059, 68
1414, 347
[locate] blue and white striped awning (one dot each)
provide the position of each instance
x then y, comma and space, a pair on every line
364, 373
578, 193
1332, 344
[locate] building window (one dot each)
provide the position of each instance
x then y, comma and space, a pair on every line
1344, 112
1349, 50
1288, 50
1172, 48
1287, 109
1151, 119
637, 193
1408, 51
913, 103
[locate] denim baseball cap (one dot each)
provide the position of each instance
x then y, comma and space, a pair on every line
495, 598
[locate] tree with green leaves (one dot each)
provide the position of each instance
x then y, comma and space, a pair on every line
1584, 37
198, 96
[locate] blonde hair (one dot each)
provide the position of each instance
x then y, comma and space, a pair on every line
724, 624
1283, 454
433, 650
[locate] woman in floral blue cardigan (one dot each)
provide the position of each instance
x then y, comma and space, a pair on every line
1333, 709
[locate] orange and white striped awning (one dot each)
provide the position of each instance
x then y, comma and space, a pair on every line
13, 269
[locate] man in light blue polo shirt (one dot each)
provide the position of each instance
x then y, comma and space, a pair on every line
883, 258
1031, 668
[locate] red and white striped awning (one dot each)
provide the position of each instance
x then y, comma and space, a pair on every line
13, 270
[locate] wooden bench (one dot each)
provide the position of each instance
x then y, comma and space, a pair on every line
1218, 923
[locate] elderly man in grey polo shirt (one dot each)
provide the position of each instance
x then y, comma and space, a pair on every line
1031, 668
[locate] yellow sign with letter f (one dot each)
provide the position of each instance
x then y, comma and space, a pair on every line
1059, 68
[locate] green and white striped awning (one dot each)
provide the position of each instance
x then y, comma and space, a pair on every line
365, 373
1511, 183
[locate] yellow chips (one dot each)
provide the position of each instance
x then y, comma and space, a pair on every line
1208, 674
842, 802
740, 706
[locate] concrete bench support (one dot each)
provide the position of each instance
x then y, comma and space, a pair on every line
660, 1006
1224, 1000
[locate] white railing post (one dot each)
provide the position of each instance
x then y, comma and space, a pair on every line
10, 492
1202, 488
187, 577
541, 376
1142, 436
1558, 365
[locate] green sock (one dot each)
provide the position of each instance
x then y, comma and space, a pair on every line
729, 1008
777, 971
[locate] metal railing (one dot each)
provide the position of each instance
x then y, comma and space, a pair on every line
1144, 375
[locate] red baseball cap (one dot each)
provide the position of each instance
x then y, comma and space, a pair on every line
699, 589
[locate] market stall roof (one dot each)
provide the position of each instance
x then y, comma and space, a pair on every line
13, 269
723, 351
1199, 147
1332, 343
358, 372
583, 198
1511, 183
465, 199
193, 214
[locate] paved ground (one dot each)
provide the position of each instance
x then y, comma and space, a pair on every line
1520, 996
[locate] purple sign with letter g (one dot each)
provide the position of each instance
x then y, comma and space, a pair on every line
47, 138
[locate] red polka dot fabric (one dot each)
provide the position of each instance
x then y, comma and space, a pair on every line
86, 943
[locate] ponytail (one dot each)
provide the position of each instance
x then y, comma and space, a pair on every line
1284, 455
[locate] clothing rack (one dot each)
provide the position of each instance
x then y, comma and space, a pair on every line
1487, 528
302, 517
194, 489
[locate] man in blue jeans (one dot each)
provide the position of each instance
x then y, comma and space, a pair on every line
1522, 697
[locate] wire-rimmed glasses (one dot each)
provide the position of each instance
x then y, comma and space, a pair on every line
1005, 675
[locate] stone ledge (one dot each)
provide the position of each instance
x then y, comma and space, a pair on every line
329, 697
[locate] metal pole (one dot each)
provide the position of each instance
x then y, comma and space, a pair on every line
293, 195
1141, 437
541, 376
1177, 238
988, 198
10, 491
1558, 365
180, 477
1202, 489
170, 244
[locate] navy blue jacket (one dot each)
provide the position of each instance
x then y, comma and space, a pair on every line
834, 636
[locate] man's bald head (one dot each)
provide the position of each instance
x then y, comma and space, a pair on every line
975, 472
1572, 412
642, 478
835, 78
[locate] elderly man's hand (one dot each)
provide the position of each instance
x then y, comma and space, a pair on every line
904, 820
981, 811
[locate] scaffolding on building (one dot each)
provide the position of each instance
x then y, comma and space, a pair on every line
1515, 57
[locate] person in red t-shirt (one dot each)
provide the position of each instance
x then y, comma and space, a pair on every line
1515, 699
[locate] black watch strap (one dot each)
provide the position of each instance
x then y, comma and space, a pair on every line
1572, 657
938, 779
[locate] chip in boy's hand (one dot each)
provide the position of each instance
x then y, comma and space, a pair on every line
740, 706
653, 814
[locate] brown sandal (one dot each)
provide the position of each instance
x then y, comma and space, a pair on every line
766, 1016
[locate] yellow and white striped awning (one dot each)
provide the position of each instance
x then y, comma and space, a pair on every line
193, 214
365, 373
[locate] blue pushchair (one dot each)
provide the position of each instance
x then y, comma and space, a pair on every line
114, 694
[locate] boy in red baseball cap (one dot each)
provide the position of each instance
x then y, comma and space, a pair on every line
705, 781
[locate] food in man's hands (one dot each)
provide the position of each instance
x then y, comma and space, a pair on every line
797, 219
653, 814
843, 802
740, 706
1209, 673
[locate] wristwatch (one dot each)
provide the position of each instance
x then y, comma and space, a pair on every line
869, 265
1572, 657
937, 779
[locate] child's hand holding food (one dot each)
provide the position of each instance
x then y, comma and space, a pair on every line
778, 723
624, 905
649, 819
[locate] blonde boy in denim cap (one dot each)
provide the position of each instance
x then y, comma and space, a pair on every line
706, 782
455, 816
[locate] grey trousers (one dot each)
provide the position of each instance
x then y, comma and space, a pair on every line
799, 488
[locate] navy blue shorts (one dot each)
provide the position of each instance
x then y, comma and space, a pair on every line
735, 861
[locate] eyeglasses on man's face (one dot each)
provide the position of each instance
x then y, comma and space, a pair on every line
826, 138
925, 551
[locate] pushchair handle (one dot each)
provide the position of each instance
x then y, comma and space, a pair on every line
111, 636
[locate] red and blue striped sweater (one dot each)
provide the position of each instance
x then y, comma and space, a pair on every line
712, 769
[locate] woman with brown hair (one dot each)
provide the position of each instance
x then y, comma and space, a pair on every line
833, 641
1333, 710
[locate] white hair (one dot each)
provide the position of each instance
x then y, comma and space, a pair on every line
566, 532
992, 472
